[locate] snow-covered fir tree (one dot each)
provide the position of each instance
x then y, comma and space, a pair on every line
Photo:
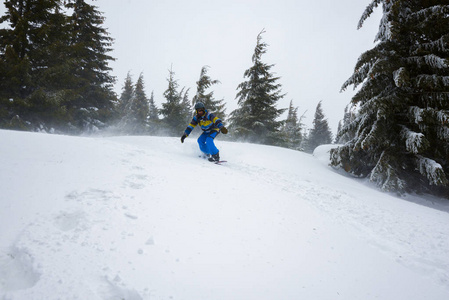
90, 44
293, 129
202, 85
134, 108
174, 110
320, 134
256, 118
344, 136
124, 103
401, 134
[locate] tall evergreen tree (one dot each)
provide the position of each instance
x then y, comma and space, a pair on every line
154, 122
401, 134
293, 128
53, 68
124, 103
255, 119
173, 110
140, 108
32, 49
320, 133
154, 111
204, 83
124, 106
94, 98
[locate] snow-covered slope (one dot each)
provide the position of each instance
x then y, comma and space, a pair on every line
146, 218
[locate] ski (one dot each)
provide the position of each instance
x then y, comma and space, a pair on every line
220, 162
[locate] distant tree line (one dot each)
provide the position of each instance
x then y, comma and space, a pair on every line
54, 76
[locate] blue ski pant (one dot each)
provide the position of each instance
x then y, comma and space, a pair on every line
206, 142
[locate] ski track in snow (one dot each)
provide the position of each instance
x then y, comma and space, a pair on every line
100, 225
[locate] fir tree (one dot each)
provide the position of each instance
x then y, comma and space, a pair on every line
173, 110
212, 105
186, 112
94, 99
401, 134
124, 103
140, 108
153, 120
154, 111
53, 68
32, 48
255, 119
293, 129
124, 107
320, 134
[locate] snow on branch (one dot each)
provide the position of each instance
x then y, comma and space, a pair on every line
432, 171
431, 82
368, 11
430, 60
385, 176
440, 45
415, 142
435, 61
443, 133
371, 138
442, 117
415, 114
432, 12
401, 77
384, 33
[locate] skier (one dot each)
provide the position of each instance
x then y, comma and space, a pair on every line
211, 126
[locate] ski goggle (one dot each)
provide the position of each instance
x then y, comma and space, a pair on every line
200, 110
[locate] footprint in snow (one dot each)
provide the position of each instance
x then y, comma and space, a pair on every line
136, 181
17, 270
67, 221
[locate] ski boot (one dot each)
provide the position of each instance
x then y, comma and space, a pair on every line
214, 158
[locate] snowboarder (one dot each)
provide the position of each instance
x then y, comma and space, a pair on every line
211, 126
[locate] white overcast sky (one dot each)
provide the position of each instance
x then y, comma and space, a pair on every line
314, 46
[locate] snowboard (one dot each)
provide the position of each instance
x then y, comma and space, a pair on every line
215, 162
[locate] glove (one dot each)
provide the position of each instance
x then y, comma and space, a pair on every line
223, 130
183, 137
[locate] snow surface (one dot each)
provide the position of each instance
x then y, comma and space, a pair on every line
146, 218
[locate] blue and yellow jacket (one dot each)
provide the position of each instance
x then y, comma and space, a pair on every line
208, 123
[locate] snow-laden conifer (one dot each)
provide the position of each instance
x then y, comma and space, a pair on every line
293, 129
400, 135
256, 118
176, 110
207, 98
320, 134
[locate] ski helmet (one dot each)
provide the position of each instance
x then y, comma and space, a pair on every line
199, 106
